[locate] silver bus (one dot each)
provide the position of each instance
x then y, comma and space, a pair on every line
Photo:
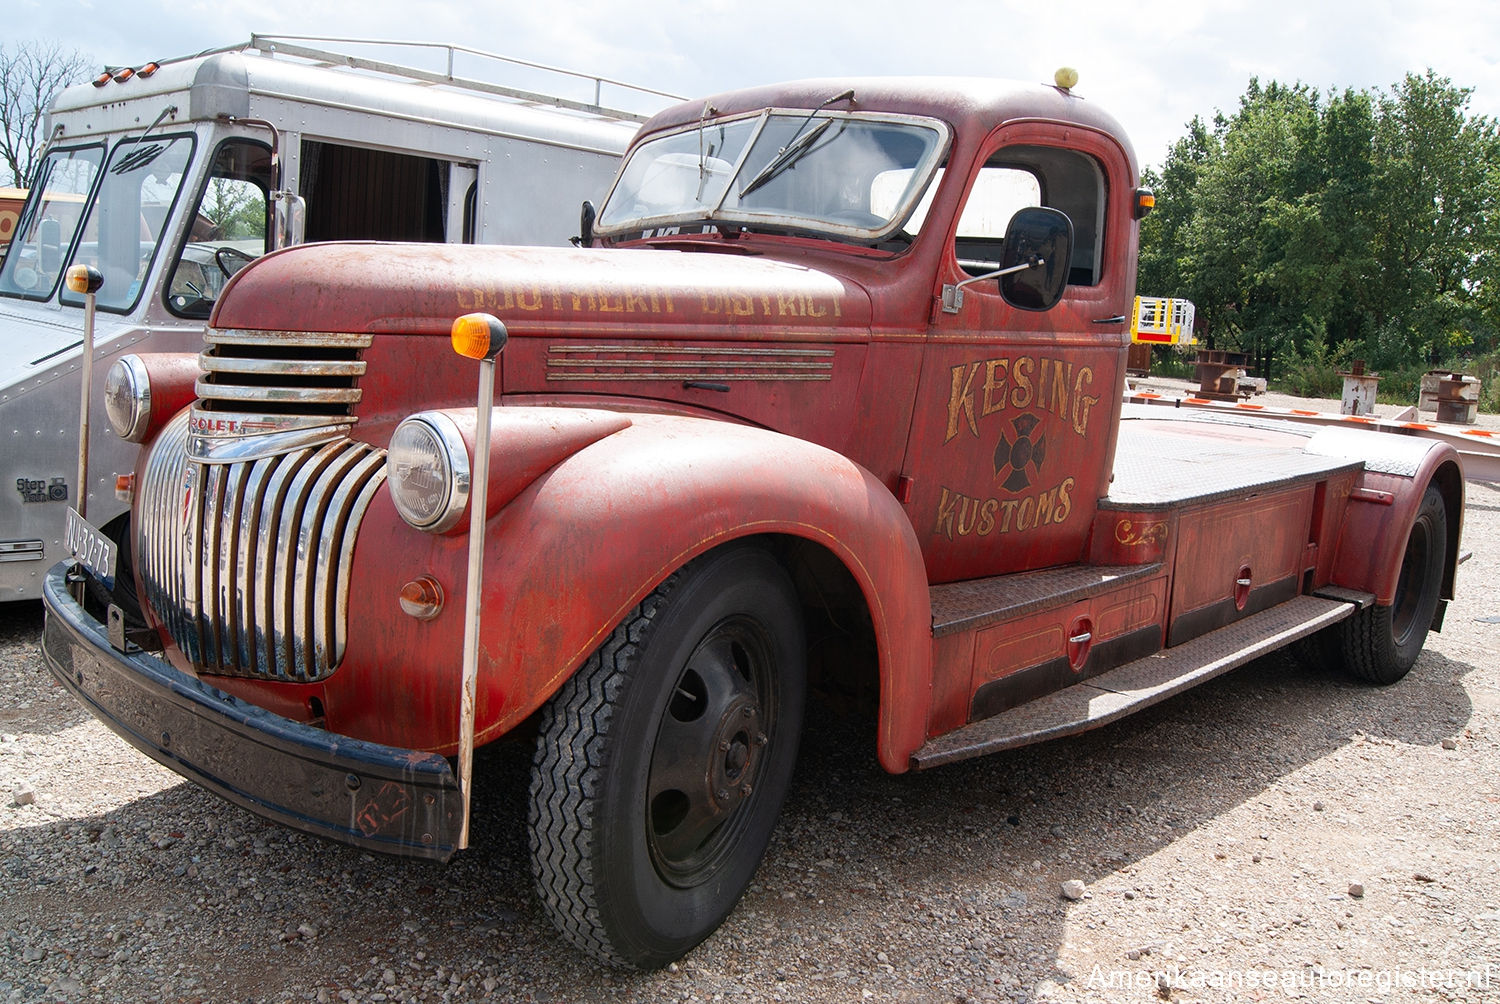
170, 177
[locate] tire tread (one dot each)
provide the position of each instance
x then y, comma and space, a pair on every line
566, 774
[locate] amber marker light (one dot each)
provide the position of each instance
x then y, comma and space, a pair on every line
478, 336
1145, 201
84, 279
422, 598
148, 69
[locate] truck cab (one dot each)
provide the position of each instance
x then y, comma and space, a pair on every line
827, 399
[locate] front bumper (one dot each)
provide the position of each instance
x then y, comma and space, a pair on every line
380, 798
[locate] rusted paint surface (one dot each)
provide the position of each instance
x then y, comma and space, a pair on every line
418, 289
1372, 537
575, 551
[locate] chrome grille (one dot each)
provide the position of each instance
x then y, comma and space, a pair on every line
263, 392
247, 563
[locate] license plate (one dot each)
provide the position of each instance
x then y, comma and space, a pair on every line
90, 548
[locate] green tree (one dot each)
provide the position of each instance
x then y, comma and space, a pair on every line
1320, 226
1435, 169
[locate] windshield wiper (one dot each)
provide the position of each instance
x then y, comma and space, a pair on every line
796, 147
140, 157
786, 157
703, 156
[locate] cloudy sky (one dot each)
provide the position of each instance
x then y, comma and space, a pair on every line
1153, 63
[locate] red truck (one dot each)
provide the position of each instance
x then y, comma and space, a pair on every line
828, 399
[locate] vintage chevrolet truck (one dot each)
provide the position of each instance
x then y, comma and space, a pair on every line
828, 400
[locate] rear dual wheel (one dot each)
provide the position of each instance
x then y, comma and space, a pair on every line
661, 766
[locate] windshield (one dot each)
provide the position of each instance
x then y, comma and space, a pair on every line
125, 222
827, 172
49, 222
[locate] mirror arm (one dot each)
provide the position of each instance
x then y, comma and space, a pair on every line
953, 295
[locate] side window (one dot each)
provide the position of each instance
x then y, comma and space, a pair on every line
471, 212
355, 193
1020, 176
997, 193
228, 228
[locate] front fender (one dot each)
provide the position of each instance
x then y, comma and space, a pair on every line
575, 551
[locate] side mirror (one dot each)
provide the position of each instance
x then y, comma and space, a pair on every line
289, 223
586, 216
1043, 239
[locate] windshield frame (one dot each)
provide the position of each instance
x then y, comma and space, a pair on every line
24, 221
718, 216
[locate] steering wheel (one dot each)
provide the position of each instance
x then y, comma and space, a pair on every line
231, 259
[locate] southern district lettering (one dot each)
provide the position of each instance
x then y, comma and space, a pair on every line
983, 388
607, 301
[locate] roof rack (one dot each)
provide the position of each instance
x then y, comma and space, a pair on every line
294, 45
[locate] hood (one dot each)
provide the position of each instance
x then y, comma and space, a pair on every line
37, 336
372, 288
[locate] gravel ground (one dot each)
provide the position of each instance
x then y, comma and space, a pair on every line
1276, 834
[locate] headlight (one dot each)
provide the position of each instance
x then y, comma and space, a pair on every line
127, 398
427, 469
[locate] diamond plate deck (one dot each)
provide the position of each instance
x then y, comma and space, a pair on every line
1135, 685
967, 606
1161, 463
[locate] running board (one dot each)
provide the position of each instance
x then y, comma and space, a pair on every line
1136, 685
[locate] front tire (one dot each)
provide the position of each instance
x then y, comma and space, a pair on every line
1380, 644
661, 766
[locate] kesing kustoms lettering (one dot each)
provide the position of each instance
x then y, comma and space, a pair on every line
1025, 390
990, 386
961, 515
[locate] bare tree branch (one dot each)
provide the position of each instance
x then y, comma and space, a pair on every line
31, 74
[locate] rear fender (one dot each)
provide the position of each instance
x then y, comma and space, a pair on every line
1384, 503
585, 541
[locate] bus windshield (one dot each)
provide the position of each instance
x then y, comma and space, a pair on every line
111, 218
49, 222
125, 222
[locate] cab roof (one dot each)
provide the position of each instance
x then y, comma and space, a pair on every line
971, 105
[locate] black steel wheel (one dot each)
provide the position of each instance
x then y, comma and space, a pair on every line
662, 764
1381, 643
